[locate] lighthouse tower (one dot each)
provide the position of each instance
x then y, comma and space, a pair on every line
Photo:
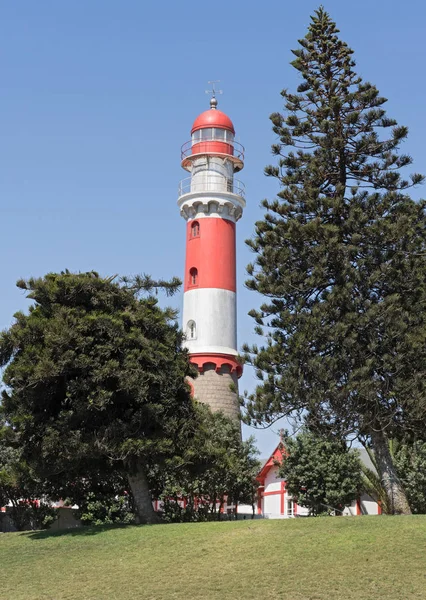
212, 201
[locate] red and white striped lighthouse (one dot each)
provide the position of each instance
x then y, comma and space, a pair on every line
212, 200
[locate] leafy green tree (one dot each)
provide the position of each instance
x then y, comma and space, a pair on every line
96, 373
320, 473
341, 260
216, 467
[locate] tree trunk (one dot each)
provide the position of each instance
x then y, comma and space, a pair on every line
395, 493
144, 511
219, 513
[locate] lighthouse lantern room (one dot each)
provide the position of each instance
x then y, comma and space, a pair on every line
212, 201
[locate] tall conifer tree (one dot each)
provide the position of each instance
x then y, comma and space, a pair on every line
341, 258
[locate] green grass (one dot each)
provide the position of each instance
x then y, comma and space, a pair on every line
368, 558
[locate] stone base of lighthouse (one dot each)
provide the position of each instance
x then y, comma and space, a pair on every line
218, 387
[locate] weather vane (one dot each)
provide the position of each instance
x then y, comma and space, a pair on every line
213, 92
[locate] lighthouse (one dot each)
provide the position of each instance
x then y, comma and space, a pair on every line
211, 200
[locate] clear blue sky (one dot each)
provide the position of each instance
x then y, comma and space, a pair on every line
97, 97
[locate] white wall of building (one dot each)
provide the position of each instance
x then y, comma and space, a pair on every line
272, 501
273, 481
368, 505
271, 507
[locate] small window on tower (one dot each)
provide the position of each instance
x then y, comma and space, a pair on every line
193, 276
195, 229
191, 330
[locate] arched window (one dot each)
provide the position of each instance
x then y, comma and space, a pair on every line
191, 330
193, 276
195, 229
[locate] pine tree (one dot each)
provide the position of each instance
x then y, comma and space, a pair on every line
341, 259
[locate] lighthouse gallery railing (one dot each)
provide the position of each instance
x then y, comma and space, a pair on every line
212, 184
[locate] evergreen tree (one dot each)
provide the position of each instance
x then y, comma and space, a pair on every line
95, 376
20, 490
341, 258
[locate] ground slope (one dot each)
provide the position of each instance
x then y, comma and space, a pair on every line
300, 559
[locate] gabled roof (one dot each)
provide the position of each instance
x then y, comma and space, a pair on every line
276, 457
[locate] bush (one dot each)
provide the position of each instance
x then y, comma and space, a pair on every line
106, 511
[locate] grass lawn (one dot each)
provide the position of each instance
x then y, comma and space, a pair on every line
368, 558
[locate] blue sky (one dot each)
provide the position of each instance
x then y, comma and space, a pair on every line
97, 97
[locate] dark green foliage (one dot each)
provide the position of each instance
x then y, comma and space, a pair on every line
95, 379
101, 493
215, 467
340, 257
106, 510
320, 473
20, 490
410, 462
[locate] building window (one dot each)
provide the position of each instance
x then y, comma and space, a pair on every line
290, 507
195, 229
193, 276
191, 330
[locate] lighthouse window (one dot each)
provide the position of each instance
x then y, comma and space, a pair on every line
207, 134
191, 330
193, 276
195, 229
219, 134
196, 136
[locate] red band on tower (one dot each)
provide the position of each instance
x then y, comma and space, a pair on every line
210, 254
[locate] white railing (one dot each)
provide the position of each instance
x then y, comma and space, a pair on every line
212, 184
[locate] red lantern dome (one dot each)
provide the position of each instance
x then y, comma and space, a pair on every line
212, 134
213, 118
